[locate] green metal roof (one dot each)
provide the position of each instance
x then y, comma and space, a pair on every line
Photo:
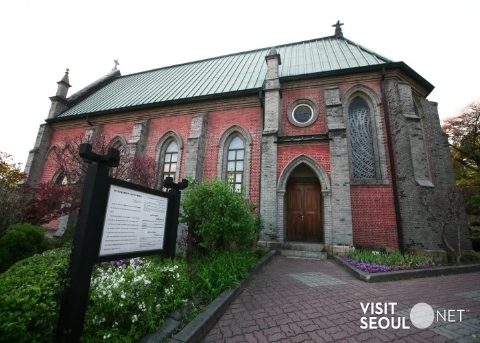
222, 75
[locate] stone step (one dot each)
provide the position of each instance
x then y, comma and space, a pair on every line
314, 247
317, 255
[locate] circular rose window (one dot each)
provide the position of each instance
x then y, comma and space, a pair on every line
302, 114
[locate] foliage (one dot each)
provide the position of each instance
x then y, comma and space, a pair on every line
10, 172
129, 299
464, 137
473, 205
50, 200
30, 297
375, 261
476, 243
218, 271
21, 241
10, 195
445, 206
217, 217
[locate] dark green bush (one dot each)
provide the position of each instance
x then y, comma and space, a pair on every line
30, 297
475, 223
473, 205
21, 241
476, 243
217, 217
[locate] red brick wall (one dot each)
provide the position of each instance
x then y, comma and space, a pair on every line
319, 151
373, 215
314, 94
58, 139
218, 123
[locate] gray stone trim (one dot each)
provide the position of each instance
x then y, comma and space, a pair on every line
138, 139
38, 155
337, 205
374, 103
196, 143
302, 101
326, 195
227, 136
160, 149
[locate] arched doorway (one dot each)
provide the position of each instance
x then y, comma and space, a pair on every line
304, 206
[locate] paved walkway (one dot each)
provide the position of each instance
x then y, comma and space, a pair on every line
299, 300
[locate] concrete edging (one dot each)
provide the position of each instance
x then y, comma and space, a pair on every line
203, 323
406, 274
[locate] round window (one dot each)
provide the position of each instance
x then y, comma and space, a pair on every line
302, 114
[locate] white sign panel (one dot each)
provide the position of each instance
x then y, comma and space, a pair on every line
135, 221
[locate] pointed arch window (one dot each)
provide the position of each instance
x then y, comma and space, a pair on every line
235, 163
170, 161
361, 139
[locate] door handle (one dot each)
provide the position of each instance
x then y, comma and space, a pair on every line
302, 218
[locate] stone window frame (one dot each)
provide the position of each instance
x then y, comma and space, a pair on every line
380, 159
227, 137
299, 102
119, 140
160, 152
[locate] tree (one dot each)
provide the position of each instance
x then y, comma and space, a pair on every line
445, 207
464, 138
50, 200
11, 197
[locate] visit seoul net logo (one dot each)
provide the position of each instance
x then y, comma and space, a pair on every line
422, 316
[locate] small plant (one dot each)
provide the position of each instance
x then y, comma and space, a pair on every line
475, 223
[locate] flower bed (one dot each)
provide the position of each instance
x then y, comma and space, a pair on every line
376, 262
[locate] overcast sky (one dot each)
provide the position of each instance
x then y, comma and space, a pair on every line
39, 39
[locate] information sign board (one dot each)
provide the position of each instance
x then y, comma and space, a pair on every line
135, 221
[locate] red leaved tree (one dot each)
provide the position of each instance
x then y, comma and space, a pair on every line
50, 200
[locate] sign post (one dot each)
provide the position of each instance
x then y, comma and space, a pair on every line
117, 220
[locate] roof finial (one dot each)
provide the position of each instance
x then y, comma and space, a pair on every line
338, 29
116, 64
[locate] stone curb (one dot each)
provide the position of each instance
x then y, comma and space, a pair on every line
406, 274
203, 323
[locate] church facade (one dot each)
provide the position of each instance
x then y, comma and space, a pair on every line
333, 142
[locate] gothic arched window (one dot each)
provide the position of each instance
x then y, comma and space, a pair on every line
361, 139
170, 161
235, 163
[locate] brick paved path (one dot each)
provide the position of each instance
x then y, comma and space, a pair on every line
298, 300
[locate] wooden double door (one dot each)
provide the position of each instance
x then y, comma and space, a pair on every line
304, 212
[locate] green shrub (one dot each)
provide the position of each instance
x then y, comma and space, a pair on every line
475, 223
473, 205
476, 243
219, 271
21, 241
217, 217
30, 297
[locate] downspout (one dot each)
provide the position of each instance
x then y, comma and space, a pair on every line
393, 167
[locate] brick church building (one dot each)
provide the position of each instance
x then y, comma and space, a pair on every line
332, 141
